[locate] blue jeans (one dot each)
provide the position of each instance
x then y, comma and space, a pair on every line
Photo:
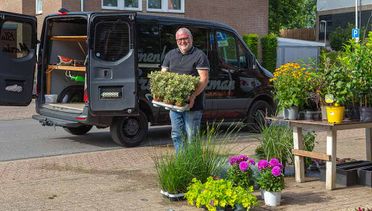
184, 124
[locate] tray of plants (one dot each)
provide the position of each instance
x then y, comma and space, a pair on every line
170, 107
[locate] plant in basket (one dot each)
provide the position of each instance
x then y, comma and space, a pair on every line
240, 172
271, 180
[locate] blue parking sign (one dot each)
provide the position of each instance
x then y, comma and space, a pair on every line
355, 33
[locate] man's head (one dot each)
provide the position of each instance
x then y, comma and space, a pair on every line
184, 40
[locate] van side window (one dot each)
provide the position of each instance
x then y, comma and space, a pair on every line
149, 49
112, 40
200, 38
15, 39
242, 56
226, 46
168, 37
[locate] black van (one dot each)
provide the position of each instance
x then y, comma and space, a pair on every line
92, 68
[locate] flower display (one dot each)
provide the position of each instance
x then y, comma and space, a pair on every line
290, 81
271, 177
240, 172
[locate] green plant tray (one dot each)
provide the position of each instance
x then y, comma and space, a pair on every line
173, 197
170, 107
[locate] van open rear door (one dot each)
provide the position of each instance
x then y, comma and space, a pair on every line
17, 58
112, 63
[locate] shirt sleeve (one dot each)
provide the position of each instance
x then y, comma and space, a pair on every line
202, 62
166, 62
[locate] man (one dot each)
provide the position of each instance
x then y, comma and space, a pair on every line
187, 59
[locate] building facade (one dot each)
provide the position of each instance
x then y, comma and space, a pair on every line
246, 16
339, 13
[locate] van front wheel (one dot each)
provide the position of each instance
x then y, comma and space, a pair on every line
81, 130
129, 131
257, 113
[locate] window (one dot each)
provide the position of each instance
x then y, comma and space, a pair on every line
227, 51
200, 39
176, 6
149, 49
15, 39
111, 40
242, 56
122, 4
39, 6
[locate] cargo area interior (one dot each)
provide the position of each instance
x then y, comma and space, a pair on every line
65, 72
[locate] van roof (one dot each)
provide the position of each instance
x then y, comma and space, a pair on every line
178, 20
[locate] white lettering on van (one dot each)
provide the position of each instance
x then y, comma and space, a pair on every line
152, 57
221, 85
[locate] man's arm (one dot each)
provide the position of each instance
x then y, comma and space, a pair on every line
203, 82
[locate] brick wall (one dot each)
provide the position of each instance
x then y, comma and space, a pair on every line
72, 5
11, 6
246, 16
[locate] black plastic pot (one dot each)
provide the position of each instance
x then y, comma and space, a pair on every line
352, 113
313, 115
346, 173
365, 176
366, 114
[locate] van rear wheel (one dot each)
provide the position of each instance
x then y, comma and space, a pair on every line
256, 115
129, 131
81, 130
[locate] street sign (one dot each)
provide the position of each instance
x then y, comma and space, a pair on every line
355, 33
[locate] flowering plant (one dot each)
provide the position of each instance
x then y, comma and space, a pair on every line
271, 177
240, 172
219, 193
289, 83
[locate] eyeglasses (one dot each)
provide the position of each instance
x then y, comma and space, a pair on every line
182, 39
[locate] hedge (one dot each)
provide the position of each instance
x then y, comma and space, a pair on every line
252, 42
269, 44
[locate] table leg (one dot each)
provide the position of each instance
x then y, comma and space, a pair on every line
369, 144
331, 165
298, 143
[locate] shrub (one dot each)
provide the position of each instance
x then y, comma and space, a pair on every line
252, 42
269, 44
219, 193
204, 156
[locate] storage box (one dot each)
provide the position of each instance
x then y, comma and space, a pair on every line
346, 173
365, 176
51, 98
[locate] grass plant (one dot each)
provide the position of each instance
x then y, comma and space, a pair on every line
204, 156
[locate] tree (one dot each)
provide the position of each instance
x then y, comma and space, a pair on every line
291, 14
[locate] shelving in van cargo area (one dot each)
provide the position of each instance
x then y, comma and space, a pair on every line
65, 73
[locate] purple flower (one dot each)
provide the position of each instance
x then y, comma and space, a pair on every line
251, 162
233, 160
242, 158
276, 171
262, 164
243, 166
274, 162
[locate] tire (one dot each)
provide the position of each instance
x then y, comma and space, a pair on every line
129, 131
71, 94
81, 130
256, 115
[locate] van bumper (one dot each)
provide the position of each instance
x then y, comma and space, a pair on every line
50, 121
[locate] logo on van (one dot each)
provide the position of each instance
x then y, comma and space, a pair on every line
151, 57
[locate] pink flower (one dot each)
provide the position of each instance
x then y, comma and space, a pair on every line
274, 162
262, 164
242, 158
276, 171
251, 162
243, 166
233, 160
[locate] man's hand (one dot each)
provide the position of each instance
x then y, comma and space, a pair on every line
191, 101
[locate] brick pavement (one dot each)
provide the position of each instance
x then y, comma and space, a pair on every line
125, 179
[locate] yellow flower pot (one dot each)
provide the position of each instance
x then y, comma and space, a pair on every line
335, 114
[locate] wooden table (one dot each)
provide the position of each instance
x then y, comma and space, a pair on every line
330, 155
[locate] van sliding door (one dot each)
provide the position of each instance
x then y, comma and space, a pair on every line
112, 73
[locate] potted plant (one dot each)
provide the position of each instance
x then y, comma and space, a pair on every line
271, 180
219, 195
289, 85
171, 88
240, 171
200, 158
